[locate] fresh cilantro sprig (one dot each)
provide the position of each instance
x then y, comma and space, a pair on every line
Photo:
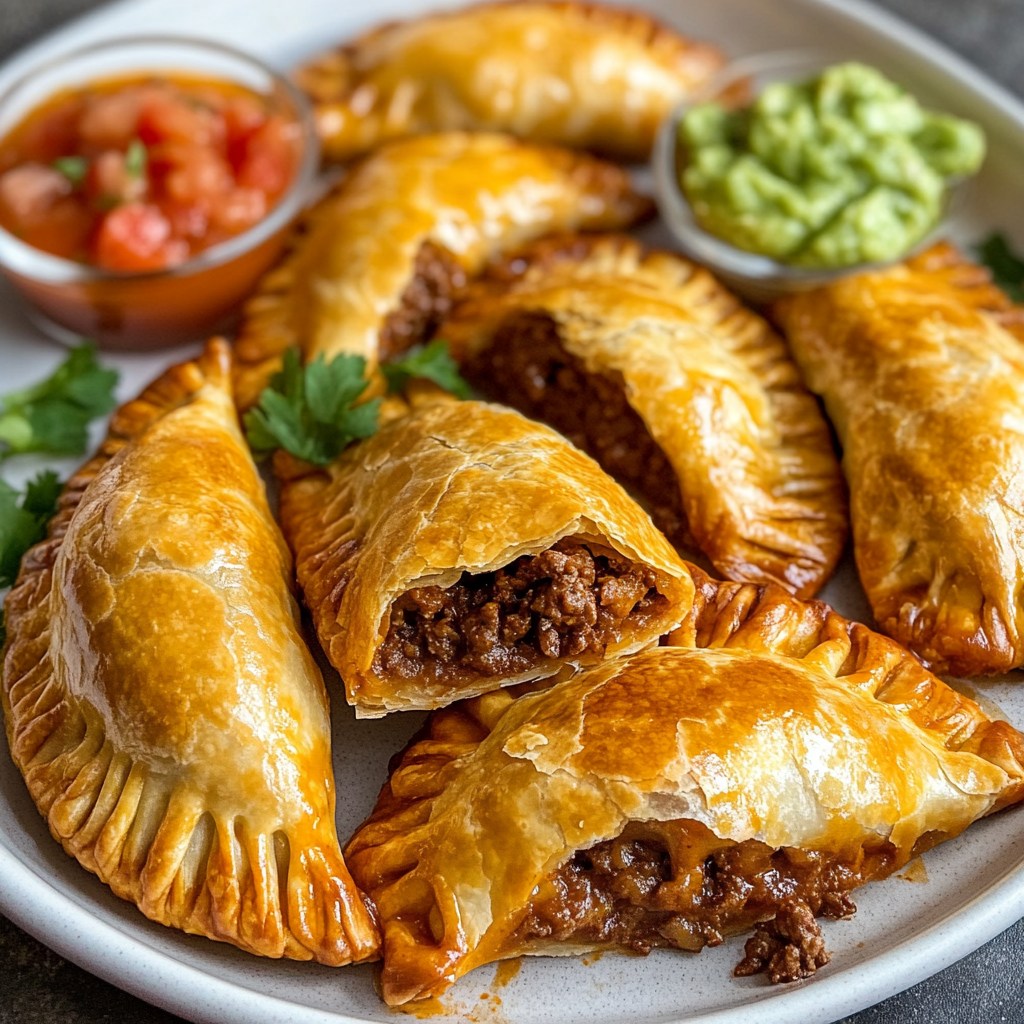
310, 411
314, 411
1006, 266
431, 362
53, 416
23, 519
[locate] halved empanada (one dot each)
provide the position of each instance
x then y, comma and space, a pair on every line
679, 391
165, 712
670, 799
377, 261
576, 74
921, 369
463, 548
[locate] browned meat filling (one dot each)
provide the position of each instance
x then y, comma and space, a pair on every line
676, 884
559, 604
526, 366
424, 303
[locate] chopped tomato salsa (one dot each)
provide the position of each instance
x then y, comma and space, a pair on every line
142, 173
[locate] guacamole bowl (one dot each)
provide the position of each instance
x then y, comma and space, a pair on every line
791, 170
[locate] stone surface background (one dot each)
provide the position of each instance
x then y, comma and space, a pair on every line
987, 987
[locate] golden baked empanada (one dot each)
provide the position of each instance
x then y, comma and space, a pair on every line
378, 259
463, 548
680, 392
670, 799
921, 369
166, 714
576, 74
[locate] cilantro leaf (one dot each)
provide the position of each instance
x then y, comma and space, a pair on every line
311, 411
1006, 266
136, 159
23, 523
432, 362
74, 168
53, 416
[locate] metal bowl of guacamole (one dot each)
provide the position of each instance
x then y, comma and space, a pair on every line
803, 172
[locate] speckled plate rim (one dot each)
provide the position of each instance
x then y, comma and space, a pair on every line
34, 902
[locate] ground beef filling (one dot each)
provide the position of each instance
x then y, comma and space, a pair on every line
526, 366
564, 602
676, 884
426, 300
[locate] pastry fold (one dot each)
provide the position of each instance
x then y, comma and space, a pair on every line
376, 262
575, 74
675, 797
679, 391
463, 548
160, 702
921, 370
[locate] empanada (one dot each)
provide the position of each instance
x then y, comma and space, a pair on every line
670, 799
921, 369
377, 261
679, 391
463, 548
576, 74
167, 716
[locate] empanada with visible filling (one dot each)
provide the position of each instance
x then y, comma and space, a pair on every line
673, 798
377, 261
921, 369
679, 391
576, 74
463, 548
170, 723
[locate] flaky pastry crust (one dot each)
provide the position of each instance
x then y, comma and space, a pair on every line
791, 730
921, 371
160, 702
375, 263
453, 488
759, 487
575, 74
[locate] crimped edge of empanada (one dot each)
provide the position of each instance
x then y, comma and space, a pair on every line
813, 515
155, 844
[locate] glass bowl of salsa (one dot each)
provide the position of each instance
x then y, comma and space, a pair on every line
145, 186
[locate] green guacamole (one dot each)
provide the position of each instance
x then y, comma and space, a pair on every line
839, 170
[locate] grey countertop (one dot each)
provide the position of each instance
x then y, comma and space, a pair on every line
985, 988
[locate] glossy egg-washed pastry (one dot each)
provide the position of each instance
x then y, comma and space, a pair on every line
679, 391
160, 702
676, 797
921, 369
376, 262
576, 74
463, 548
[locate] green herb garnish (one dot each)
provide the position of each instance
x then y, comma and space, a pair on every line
23, 522
74, 168
314, 412
136, 159
1006, 266
310, 411
431, 362
53, 416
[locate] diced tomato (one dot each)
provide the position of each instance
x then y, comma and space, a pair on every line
202, 181
29, 192
110, 181
269, 161
191, 222
240, 209
137, 236
49, 137
110, 120
167, 117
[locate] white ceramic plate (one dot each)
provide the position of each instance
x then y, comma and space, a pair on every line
904, 930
